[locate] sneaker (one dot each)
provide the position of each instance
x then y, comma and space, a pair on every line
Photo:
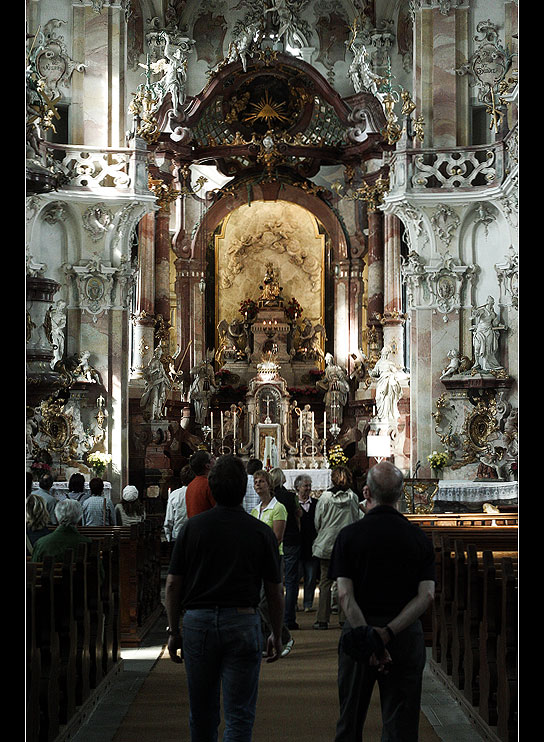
321, 625
288, 647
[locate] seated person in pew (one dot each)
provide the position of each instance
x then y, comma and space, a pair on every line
37, 518
131, 509
76, 488
65, 536
44, 491
98, 510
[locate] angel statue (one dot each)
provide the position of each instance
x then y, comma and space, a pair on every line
233, 341
360, 370
310, 341
174, 69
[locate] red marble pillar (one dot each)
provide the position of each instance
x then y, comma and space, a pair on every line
162, 264
146, 263
375, 270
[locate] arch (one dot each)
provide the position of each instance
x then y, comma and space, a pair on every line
270, 191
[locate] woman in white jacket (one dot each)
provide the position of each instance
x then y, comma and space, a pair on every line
336, 508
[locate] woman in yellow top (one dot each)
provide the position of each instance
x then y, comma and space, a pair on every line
274, 514
270, 511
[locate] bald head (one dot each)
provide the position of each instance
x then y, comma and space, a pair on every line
385, 483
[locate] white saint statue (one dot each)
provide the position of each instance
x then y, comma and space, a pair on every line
388, 386
485, 336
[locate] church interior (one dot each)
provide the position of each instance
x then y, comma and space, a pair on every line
284, 230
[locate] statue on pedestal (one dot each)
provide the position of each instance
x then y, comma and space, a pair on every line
336, 386
271, 289
485, 336
157, 386
388, 387
202, 388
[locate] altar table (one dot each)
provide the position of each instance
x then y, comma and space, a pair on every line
465, 491
321, 478
61, 488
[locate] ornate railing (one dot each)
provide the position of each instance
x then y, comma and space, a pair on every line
97, 168
454, 169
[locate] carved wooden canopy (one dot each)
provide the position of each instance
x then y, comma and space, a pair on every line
280, 114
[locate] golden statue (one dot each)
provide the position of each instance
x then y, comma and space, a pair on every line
270, 288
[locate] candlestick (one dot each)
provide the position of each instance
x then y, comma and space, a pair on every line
211, 431
325, 434
222, 433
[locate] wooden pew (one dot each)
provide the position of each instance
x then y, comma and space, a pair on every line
71, 619
507, 684
47, 641
471, 628
475, 631
458, 608
139, 596
33, 662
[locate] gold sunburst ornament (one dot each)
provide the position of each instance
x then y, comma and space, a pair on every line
267, 109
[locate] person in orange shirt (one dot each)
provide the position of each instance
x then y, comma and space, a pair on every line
198, 496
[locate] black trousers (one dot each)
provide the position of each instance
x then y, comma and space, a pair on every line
400, 689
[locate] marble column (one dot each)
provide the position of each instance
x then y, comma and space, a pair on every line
145, 310
441, 47
162, 264
393, 320
375, 273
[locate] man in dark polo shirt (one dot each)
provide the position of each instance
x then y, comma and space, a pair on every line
219, 561
385, 570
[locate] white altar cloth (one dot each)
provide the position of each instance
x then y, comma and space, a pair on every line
61, 488
465, 491
321, 478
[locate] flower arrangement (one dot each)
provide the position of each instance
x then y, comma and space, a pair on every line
99, 461
40, 467
438, 459
248, 308
337, 457
293, 309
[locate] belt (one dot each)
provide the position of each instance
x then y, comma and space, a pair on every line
243, 609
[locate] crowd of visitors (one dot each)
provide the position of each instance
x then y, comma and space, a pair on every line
243, 547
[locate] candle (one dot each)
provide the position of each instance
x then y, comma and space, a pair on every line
222, 434
313, 427
234, 426
211, 426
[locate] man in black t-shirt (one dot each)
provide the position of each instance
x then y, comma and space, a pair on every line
385, 570
219, 561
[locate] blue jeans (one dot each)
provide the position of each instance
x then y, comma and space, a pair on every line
222, 649
309, 569
291, 555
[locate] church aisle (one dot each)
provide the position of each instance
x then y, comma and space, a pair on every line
297, 698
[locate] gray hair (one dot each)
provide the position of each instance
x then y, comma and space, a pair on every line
385, 482
68, 512
300, 479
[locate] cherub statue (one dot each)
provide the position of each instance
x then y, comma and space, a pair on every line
360, 372
458, 364
240, 46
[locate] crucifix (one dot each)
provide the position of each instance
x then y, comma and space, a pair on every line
268, 399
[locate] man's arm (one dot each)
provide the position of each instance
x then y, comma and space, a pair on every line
275, 599
346, 597
411, 611
172, 602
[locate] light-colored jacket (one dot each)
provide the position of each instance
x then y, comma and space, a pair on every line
333, 511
